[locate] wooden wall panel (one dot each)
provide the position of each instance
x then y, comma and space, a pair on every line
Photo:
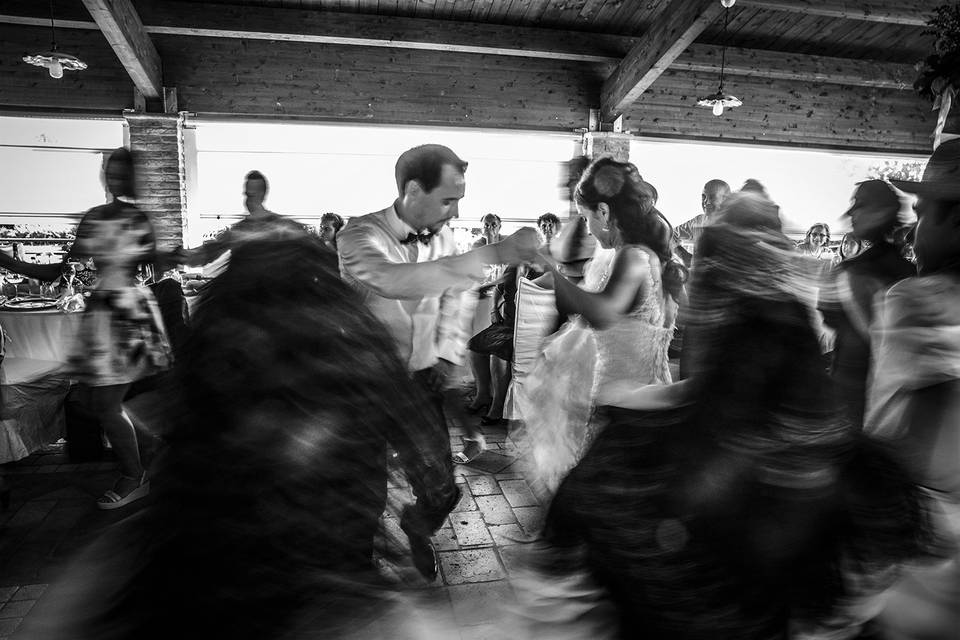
103, 86
791, 113
378, 85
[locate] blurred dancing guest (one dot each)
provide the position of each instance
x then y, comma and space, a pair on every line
403, 262
915, 395
270, 491
688, 234
847, 301
121, 337
259, 223
739, 503
622, 320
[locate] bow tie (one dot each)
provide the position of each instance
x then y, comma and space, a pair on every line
424, 238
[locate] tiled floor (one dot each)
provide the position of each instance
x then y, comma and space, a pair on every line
52, 516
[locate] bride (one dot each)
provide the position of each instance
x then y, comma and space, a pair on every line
621, 320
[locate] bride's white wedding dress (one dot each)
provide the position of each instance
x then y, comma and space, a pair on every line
577, 362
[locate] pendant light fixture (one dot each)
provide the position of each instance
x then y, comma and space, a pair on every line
55, 61
719, 101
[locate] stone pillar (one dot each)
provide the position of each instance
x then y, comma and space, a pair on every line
157, 141
607, 143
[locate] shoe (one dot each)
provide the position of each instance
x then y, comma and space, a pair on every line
462, 457
487, 421
424, 556
480, 408
112, 500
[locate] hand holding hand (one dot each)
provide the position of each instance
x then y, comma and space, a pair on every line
545, 259
519, 247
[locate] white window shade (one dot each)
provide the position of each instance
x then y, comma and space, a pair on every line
52, 168
349, 170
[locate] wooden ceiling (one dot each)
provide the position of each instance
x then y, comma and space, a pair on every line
823, 73
872, 30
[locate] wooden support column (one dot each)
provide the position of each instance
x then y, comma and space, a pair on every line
157, 141
607, 143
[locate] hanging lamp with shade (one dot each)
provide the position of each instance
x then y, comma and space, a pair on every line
53, 60
719, 101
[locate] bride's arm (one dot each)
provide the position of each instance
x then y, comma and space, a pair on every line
649, 397
630, 270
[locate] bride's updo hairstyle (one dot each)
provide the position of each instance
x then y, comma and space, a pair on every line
631, 201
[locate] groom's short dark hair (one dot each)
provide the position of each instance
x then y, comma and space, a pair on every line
425, 165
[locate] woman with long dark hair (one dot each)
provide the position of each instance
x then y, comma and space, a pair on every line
621, 319
739, 503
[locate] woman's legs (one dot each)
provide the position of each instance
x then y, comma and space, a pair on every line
106, 403
501, 374
480, 366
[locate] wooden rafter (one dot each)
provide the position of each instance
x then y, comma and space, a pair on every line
777, 65
288, 25
679, 24
905, 12
121, 25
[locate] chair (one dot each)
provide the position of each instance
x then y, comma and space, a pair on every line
536, 318
173, 309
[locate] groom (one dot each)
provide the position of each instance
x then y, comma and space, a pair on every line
404, 262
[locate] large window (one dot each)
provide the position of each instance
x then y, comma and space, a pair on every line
349, 170
51, 167
51, 175
809, 186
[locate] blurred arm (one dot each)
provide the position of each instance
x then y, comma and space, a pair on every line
629, 271
44, 272
453, 326
364, 257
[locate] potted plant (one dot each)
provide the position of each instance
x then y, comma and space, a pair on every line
939, 78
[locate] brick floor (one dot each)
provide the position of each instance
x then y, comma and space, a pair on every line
52, 516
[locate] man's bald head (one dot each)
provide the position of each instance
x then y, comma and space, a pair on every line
714, 193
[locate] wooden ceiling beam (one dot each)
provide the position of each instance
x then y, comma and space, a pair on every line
330, 28
175, 17
121, 25
679, 24
905, 12
756, 63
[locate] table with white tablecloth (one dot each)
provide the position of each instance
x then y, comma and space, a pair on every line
39, 335
33, 390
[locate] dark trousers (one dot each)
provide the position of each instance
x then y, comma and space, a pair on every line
430, 468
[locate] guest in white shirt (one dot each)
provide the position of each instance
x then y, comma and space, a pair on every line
403, 262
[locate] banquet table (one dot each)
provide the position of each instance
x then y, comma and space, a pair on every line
32, 388
39, 335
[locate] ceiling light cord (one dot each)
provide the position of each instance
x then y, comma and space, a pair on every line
53, 29
723, 47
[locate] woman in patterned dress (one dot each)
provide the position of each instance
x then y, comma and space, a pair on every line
121, 337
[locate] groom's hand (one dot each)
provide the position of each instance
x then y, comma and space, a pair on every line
519, 247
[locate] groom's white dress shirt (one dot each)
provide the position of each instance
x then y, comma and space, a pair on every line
420, 291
